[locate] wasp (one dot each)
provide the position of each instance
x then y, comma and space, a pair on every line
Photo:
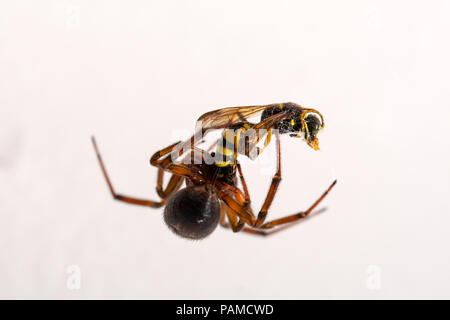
242, 136
211, 190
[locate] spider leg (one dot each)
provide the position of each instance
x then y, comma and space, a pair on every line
278, 225
235, 223
297, 216
167, 156
242, 211
120, 197
178, 168
174, 184
244, 185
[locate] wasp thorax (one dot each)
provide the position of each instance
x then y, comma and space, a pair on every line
193, 212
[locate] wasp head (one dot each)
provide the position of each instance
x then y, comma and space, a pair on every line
311, 123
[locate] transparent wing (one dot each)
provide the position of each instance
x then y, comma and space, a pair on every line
228, 116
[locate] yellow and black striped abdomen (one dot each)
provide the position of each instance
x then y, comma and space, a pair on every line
226, 147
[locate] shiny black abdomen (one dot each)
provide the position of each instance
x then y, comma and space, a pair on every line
193, 212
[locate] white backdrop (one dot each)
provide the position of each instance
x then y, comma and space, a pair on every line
138, 73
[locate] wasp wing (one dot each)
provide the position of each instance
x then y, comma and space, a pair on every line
227, 117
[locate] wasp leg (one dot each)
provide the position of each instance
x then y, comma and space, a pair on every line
297, 216
273, 186
142, 202
267, 125
268, 139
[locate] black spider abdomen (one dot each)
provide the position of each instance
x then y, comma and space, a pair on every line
193, 212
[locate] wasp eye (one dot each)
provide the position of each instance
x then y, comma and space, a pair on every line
314, 125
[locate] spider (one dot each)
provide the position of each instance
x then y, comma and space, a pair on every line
210, 194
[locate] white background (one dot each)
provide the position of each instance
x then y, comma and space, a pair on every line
138, 73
